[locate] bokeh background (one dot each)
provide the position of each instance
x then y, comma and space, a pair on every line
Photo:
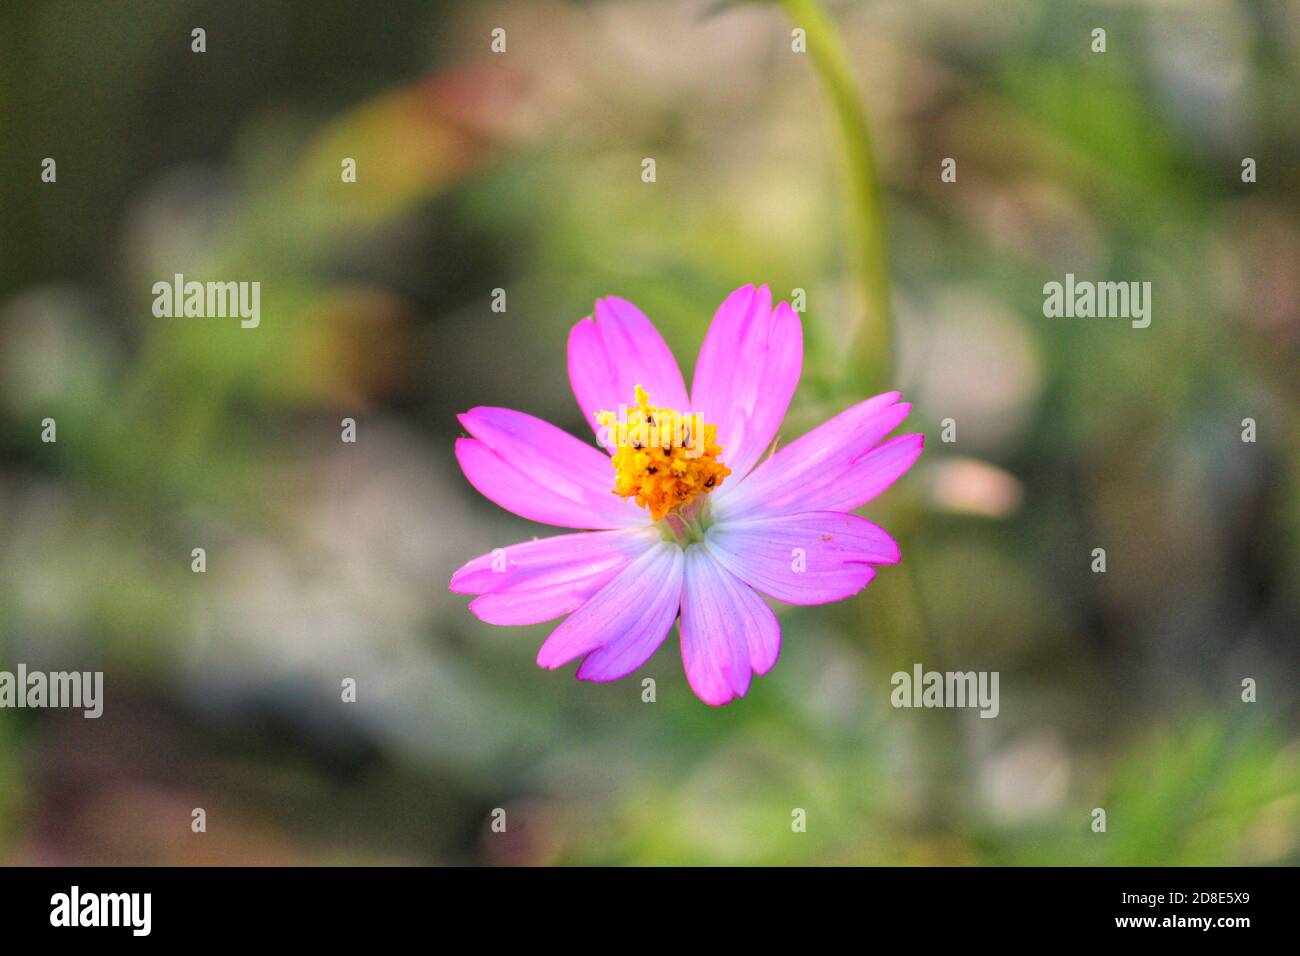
522, 171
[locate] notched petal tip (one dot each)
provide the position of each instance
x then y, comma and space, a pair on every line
476, 609
476, 416
911, 440
578, 327
894, 555
497, 610
719, 701
584, 674
784, 312
549, 661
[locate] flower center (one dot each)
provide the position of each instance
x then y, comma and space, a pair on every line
663, 458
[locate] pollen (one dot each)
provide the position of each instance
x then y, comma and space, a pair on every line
662, 458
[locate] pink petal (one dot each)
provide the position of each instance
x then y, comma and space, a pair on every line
879, 468
610, 355
545, 579
747, 371
727, 630
803, 558
539, 472
625, 622
835, 467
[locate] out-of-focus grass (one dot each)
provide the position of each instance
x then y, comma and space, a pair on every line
1200, 793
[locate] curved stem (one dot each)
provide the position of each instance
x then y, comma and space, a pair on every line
870, 351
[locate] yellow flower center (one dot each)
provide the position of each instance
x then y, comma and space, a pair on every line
663, 458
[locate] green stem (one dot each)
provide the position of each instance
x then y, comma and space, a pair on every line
870, 351
870, 370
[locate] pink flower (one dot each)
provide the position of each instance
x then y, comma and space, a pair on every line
732, 525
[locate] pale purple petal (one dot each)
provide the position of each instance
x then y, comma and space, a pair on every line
881, 467
727, 630
625, 622
539, 472
544, 579
803, 558
835, 467
747, 372
614, 352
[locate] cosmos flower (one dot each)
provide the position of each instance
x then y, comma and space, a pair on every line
683, 515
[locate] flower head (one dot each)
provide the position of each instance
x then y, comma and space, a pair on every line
663, 459
683, 519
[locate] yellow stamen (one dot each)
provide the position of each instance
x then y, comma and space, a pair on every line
663, 458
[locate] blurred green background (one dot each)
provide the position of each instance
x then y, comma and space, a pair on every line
522, 171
